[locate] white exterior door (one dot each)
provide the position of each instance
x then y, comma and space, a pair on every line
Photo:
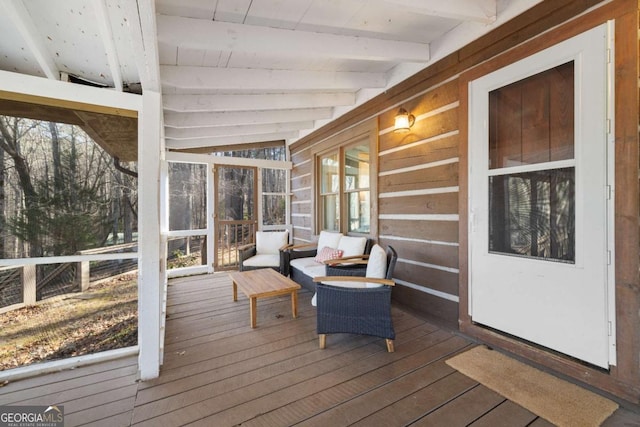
540, 201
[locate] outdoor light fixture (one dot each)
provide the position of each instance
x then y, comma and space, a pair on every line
404, 121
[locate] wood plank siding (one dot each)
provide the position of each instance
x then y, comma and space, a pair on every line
219, 372
421, 199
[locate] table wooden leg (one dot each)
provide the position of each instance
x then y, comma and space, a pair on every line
254, 312
235, 291
294, 304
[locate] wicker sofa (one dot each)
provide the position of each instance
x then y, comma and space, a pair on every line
299, 262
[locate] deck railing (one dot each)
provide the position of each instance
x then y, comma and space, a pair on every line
25, 285
229, 236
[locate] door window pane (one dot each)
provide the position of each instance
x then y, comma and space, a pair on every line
235, 193
532, 214
531, 121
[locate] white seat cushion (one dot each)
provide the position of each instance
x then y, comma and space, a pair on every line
309, 267
264, 260
270, 242
352, 246
341, 284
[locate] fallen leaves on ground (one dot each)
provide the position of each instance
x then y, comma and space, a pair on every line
103, 318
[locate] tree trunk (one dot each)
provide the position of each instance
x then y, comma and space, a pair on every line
10, 143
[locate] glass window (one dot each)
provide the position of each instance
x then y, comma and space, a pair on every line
532, 214
344, 189
356, 176
274, 196
187, 196
329, 192
531, 121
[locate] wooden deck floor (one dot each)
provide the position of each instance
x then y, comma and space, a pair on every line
219, 372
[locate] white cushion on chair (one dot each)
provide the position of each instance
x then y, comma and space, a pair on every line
328, 238
352, 246
377, 265
263, 260
269, 242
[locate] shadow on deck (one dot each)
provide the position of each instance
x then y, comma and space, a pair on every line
219, 372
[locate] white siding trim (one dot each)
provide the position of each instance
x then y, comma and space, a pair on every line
410, 239
420, 142
429, 291
300, 189
422, 166
296, 227
301, 202
304, 162
300, 176
423, 192
420, 217
427, 265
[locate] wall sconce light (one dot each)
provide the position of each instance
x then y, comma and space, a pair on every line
404, 121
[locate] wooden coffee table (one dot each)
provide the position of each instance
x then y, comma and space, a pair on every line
261, 283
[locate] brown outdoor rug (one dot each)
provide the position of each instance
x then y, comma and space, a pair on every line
555, 400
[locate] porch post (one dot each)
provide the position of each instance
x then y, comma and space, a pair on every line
150, 274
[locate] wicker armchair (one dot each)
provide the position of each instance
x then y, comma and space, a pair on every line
265, 253
356, 304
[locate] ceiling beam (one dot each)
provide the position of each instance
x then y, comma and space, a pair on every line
238, 147
208, 132
483, 11
21, 18
140, 20
241, 102
206, 34
229, 140
202, 78
104, 24
186, 120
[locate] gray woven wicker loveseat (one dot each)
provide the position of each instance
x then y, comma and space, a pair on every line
301, 264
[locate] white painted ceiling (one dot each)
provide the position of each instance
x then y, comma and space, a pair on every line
242, 71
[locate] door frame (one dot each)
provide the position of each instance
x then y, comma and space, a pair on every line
252, 223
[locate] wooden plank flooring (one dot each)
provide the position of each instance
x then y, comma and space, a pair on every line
219, 372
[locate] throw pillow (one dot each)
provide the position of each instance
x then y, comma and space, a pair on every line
328, 253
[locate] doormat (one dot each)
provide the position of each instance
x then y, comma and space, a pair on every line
555, 400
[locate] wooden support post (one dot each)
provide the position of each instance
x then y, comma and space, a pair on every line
29, 285
83, 275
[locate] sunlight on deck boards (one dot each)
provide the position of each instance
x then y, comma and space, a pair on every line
219, 372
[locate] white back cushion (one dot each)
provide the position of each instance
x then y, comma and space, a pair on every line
377, 265
269, 242
351, 246
328, 239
